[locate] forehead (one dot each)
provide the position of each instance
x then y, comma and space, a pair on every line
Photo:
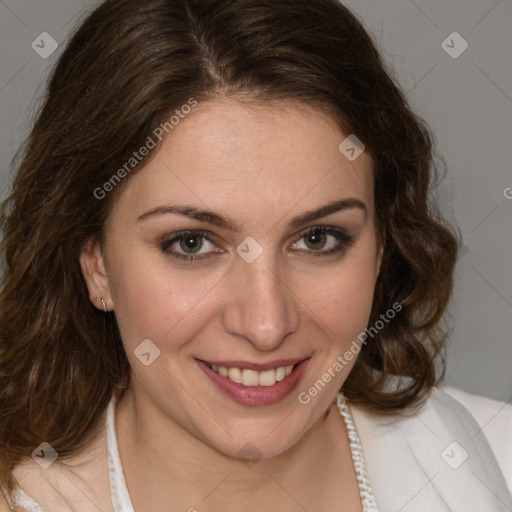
268, 157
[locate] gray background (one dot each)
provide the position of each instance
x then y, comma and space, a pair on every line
467, 101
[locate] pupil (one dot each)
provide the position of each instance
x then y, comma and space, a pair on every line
191, 243
315, 240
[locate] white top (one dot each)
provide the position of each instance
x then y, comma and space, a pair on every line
120, 497
438, 460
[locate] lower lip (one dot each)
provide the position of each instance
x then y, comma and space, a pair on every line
256, 395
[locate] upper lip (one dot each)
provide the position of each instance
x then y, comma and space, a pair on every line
259, 367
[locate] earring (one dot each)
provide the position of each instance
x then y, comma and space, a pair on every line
103, 303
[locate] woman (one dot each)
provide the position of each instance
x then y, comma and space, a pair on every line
224, 282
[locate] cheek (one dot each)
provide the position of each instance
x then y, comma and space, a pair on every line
154, 300
342, 298
344, 308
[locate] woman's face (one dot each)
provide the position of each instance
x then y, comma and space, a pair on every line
248, 242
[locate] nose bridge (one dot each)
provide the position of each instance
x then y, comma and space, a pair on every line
262, 308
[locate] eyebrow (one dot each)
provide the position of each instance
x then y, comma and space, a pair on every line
229, 224
328, 209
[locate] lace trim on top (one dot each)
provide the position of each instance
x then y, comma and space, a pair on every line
20, 500
365, 488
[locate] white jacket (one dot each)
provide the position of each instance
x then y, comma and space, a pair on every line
443, 459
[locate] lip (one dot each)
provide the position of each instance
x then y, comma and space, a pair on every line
259, 367
256, 395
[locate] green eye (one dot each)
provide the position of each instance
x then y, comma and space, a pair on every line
191, 244
315, 240
323, 241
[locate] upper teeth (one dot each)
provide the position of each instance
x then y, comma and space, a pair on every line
252, 377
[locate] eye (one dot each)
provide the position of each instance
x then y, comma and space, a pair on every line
323, 240
190, 245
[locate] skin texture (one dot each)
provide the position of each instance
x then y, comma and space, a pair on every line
179, 436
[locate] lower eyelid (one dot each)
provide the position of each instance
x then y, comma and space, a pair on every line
339, 249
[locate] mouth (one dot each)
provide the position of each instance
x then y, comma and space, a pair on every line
251, 378
252, 384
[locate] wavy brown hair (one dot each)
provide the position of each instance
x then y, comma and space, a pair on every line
127, 67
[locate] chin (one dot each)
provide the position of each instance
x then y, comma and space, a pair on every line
249, 448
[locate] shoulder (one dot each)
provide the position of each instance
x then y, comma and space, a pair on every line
455, 440
483, 423
79, 482
494, 420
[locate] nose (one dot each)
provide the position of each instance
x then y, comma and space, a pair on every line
261, 307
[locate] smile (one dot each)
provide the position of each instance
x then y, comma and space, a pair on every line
252, 378
253, 384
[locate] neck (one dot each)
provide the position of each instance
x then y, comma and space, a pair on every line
164, 463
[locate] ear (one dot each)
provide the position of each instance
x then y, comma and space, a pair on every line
95, 274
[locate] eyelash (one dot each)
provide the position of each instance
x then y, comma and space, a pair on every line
343, 238
181, 235
344, 241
